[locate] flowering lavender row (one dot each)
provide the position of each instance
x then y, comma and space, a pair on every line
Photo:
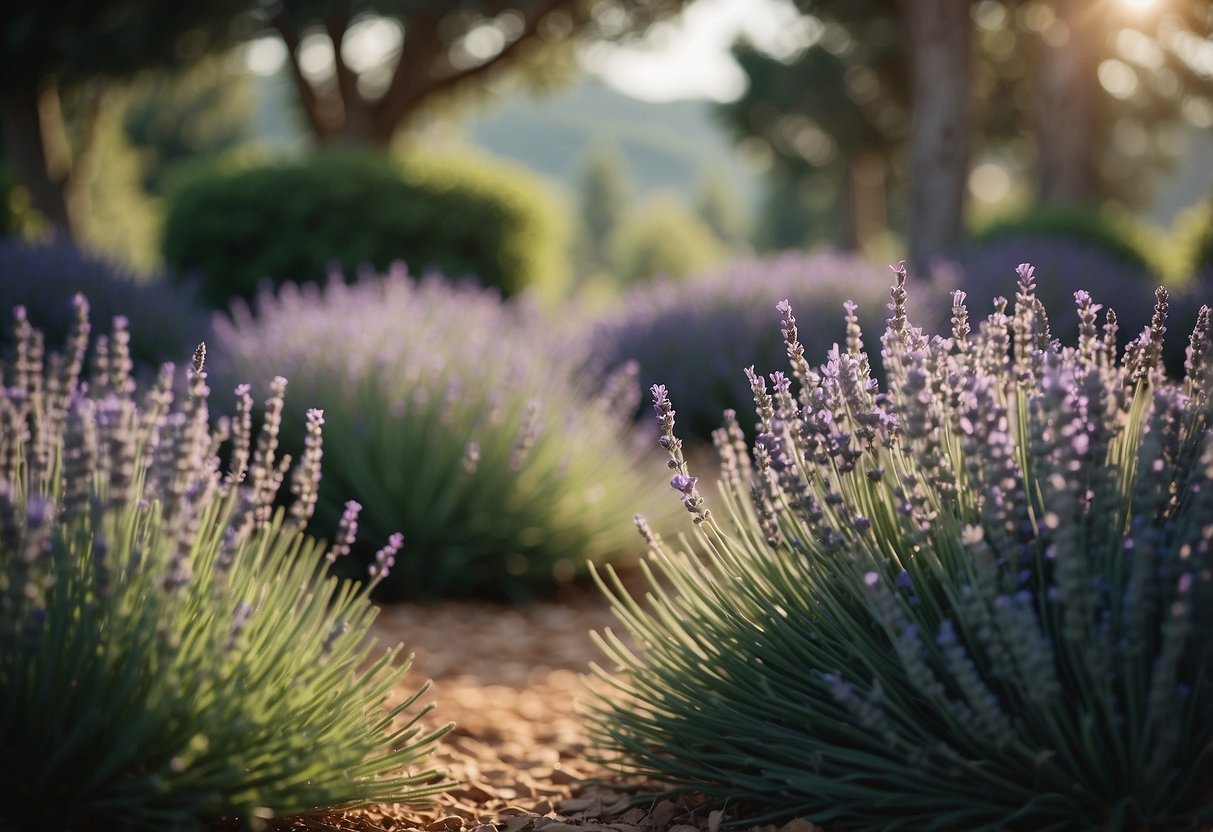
694, 335
43, 276
1064, 266
171, 651
458, 420
978, 598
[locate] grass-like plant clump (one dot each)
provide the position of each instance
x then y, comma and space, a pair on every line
172, 652
457, 419
978, 599
692, 335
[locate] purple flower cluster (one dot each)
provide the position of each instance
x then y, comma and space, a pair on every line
166, 319
1064, 266
140, 574
454, 417
988, 582
693, 335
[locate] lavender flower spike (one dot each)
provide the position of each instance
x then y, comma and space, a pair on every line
385, 558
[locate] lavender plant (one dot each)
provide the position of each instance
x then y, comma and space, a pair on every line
457, 419
165, 319
171, 651
726, 320
978, 599
1065, 265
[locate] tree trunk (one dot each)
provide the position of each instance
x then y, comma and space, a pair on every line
1067, 102
939, 34
868, 197
25, 148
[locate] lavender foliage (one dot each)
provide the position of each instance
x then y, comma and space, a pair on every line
694, 335
171, 651
976, 598
457, 419
165, 318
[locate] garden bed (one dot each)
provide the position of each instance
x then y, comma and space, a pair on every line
509, 678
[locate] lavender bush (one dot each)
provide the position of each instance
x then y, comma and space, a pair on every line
171, 652
980, 599
1065, 265
43, 276
693, 334
455, 418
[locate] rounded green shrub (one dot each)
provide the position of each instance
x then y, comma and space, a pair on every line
1117, 235
172, 652
458, 419
978, 599
663, 237
291, 220
1193, 244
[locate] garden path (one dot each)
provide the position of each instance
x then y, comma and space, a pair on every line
510, 679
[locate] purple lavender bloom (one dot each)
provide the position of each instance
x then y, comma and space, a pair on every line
44, 276
697, 334
684, 484
385, 558
1061, 267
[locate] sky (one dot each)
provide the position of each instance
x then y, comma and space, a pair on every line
689, 58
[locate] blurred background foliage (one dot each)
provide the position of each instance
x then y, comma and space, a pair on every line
1080, 119
1077, 104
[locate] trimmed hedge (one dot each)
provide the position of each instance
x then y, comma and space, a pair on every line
294, 220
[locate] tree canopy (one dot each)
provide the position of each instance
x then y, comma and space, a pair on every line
435, 48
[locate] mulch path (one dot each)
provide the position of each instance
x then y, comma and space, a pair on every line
510, 678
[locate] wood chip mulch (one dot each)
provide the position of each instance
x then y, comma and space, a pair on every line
509, 679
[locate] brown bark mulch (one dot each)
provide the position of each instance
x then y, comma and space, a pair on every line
509, 679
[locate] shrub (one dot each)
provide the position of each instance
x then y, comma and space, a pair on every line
664, 237
455, 418
727, 320
171, 652
1193, 244
43, 276
1064, 266
979, 600
290, 220
1115, 235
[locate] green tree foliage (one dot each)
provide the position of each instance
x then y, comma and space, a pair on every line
820, 109
718, 203
57, 57
440, 48
663, 236
184, 117
604, 191
1094, 129
295, 220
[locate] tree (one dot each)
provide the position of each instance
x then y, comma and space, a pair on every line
604, 191
831, 114
938, 35
58, 56
718, 203
1112, 84
443, 47
874, 76
664, 237
188, 116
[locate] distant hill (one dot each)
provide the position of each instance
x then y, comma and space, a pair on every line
667, 145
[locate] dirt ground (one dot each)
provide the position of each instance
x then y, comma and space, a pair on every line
509, 679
